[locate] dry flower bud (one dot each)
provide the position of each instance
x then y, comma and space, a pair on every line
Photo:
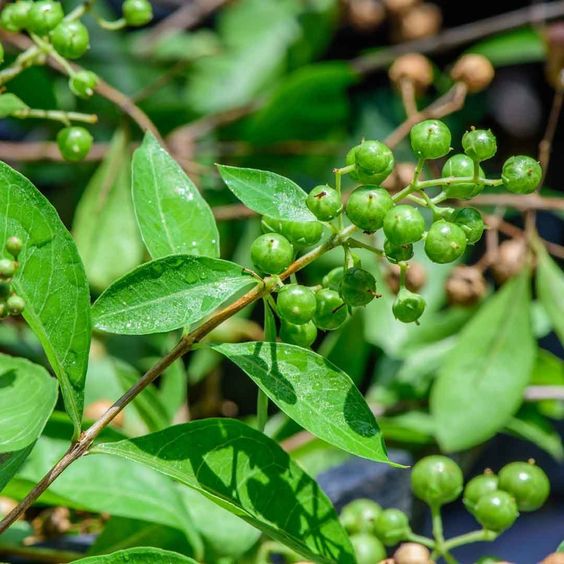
465, 286
475, 71
510, 259
365, 15
414, 67
412, 553
423, 20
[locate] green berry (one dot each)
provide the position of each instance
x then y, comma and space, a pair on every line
373, 157
333, 278
83, 83
7, 18
302, 233
14, 246
367, 549
436, 480
74, 143
477, 487
479, 144
324, 202
367, 177
430, 139
470, 219
44, 16
15, 304
408, 306
461, 166
7, 268
137, 12
496, 511
272, 253
445, 242
398, 253
404, 224
367, 207
303, 335
521, 174
71, 39
330, 312
527, 483
359, 516
392, 526
296, 304
358, 287
20, 13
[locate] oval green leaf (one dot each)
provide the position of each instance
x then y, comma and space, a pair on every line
10, 463
550, 288
314, 392
52, 282
166, 294
267, 193
27, 397
145, 555
249, 474
171, 213
481, 382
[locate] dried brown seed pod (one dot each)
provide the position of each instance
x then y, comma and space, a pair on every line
415, 278
96, 409
401, 176
423, 20
510, 259
412, 553
475, 71
366, 15
414, 67
465, 286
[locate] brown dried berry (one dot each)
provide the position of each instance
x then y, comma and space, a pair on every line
401, 176
412, 553
365, 15
423, 20
96, 409
414, 280
510, 259
414, 67
475, 71
465, 286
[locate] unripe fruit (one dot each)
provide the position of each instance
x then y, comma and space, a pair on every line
359, 516
324, 202
370, 175
43, 16
303, 335
415, 278
412, 553
479, 144
74, 143
367, 549
470, 219
436, 480
20, 13
496, 511
392, 526
367, 207
527, 483
15, 304
272, 253
478, 487
299, 233
358, 287
408, 307
445, 242
475, 71
137, 12
373, 157
333, 278
461, 166
296, 304
14, 246
404, 224
413, 67
83, 83
71, 39
430, 139
465, 286
521, 174
331, 312
7, 268
398, 253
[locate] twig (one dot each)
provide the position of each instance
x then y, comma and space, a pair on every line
79, 448
461, 35
520, 202
407, 91
43, 150
38, 554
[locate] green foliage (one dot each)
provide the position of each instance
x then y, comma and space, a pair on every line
139, 556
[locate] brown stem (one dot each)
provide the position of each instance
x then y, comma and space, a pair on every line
80, 448
41, 554
407, 91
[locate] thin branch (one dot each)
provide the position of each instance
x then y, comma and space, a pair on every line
38, 554
30, 151
460, 35
524, 202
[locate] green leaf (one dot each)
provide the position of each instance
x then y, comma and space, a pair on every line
110, 244
10, 104
171, 213
166, 294
144, 555
248, 474
560, 547
267, 193
10, 463
27, 397
315, 393
550, 288
481, 382
52, 282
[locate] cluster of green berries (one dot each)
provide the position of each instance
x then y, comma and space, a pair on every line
370, 207
494, 501
10, 302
